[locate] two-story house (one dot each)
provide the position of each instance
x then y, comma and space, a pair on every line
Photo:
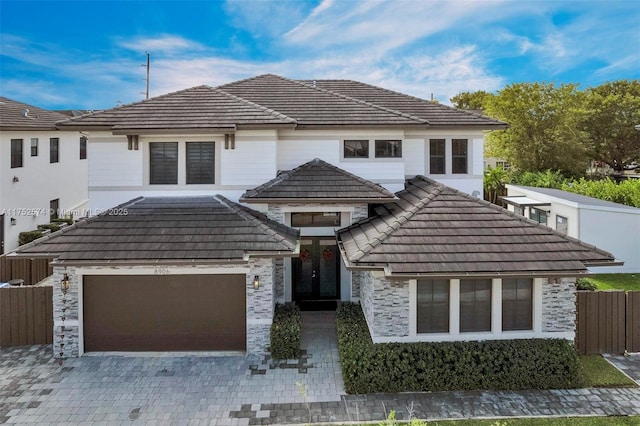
43, 170
357, 193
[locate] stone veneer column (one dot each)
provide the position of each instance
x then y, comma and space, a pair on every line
260, 305
386, 305
66, 335
559, 305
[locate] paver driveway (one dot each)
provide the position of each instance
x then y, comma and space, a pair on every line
180, 390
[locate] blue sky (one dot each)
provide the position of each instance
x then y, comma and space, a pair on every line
88, 54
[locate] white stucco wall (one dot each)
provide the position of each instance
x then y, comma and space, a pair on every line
39, 182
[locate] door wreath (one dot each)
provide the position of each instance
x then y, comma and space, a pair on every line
305, 255
327, 254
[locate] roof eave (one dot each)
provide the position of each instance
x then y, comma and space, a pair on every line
147, 262
323, 200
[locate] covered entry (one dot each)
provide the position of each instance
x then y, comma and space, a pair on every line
164, 312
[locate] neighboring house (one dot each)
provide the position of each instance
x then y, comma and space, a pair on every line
610, 226
43, 170
174, 260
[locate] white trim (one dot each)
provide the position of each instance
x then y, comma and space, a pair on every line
337, 207
454, 308
537, 305
413, 307
496, 306
443, 337
220, 269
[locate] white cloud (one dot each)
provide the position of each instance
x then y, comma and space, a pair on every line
160, 44
265, 18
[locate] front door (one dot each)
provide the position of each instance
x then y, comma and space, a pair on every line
316, 272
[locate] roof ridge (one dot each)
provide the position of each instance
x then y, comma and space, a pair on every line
255, 105
264, 226
420, 99
360, 101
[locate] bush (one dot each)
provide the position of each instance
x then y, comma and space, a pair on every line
285, 332
585, 284
28, 236
67, 220
417, 367
53, 227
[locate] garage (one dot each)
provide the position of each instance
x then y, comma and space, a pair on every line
164, 312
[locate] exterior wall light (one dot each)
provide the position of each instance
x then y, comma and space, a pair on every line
13, 221
256, 282
16, 179
65, 283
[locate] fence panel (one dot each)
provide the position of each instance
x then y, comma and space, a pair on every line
26, 316
31, 270
633, 321
601, 321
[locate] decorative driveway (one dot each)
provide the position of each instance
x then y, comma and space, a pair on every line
248, 391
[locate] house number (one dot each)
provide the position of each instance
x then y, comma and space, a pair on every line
162, 271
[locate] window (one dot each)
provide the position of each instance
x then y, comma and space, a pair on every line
16, 153
54, 150
326, 219
201, 162
459, 156
475, 305
163, 163
83, 147
34, 147
54, 205
518, 210
517, 304
356, 149
562, 224
388, 149
433, 306
504, 165
436, 156
538, 215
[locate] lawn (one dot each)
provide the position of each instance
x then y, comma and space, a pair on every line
616, 281
599, 373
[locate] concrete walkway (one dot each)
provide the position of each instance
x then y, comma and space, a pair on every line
249, 390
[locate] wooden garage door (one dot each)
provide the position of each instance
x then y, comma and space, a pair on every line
164, 313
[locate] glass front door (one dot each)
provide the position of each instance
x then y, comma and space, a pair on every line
316, 271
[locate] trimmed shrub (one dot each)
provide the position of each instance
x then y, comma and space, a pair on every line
585, 284
286, 331
67, 220
28, 236
53, 227
417, 367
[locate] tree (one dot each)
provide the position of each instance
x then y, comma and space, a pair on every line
470, 100
494, 184
608, 117
542, 131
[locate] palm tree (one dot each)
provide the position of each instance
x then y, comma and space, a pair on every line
493, 183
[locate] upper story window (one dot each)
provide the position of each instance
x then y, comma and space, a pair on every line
388, 149
34, 147
433, 306
16, 153
538, 215
163, 165
436, 156
562, 224
504, 165
517, 304
317, 219
54, 150
356, 148
475, 305
201, 162
518, 210
83, 147
54, 208
459, 156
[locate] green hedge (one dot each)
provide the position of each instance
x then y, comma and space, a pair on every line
53, 227
414, 367
67, 220
286, 330
28, 236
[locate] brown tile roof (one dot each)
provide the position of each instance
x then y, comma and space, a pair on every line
272, 101
168, 230
317, 180
435, 230
201, 107
435, 113
12, 116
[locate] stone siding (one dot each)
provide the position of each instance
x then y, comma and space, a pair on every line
66, 338
278, 277
385, 304
559, 306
